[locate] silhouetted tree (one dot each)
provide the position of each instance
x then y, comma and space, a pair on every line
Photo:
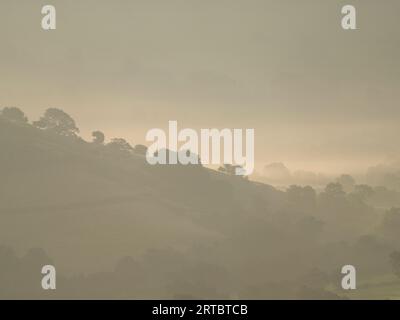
334, 190
229, 169
140, 149
120, 145
14, 114
391, 222
98, 137
333, 198
57, 121
347, 182
363, 191
20, 277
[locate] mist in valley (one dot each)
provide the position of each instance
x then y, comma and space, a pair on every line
77, 192
116, 227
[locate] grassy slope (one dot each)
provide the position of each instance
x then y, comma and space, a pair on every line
82, 204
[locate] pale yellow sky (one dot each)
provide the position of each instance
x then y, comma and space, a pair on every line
320, 98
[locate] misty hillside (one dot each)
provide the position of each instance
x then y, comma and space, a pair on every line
55, 187
116, 227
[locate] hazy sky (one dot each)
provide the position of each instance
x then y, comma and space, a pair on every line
320, 98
